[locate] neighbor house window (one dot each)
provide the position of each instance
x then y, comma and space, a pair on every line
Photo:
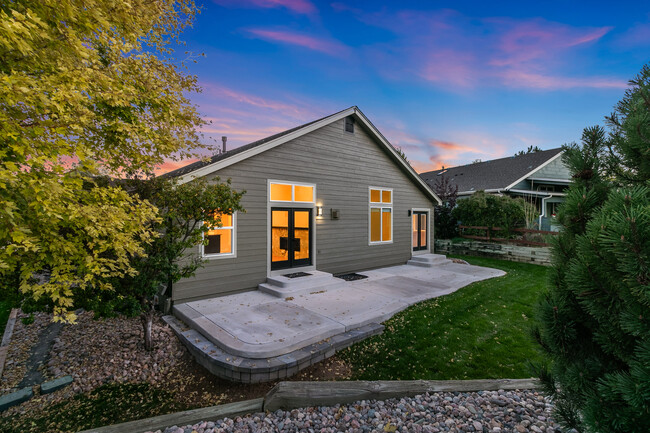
292, 192
381, 215
221, 240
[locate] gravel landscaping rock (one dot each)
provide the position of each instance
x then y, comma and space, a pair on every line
486, 411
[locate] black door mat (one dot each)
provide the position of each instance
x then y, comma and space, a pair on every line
297, 275
351, 277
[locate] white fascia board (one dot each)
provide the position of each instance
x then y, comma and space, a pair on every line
534, 170
488, 191
392, 150
548, 179
541, 193
211, 168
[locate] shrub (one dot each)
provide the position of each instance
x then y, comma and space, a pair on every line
482, 209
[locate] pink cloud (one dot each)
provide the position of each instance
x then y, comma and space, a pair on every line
426, 154
247, 99
245, 117
521, 78
297, 6
537, 39
457, 52
450, 67
170, 165
636, 36
327, 46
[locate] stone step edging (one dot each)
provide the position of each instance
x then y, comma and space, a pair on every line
293, 395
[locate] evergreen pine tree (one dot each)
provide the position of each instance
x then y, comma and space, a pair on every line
594, 322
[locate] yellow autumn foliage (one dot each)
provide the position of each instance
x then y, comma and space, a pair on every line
86, 88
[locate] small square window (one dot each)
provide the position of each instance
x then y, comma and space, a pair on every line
349, 124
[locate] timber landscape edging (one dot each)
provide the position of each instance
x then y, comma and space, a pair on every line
292, 395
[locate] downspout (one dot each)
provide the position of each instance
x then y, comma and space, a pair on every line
543, 214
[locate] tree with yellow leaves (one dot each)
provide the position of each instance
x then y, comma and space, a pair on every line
86, 88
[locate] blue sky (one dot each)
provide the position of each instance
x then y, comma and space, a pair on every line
449, 82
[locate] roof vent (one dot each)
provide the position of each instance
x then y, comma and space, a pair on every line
349, 124
224, 139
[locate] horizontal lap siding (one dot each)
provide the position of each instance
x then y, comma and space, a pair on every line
343, 166
554, 170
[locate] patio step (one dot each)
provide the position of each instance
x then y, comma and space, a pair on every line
283, 287
428, 260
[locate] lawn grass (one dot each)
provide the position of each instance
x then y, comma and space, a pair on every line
108, 404
482, 331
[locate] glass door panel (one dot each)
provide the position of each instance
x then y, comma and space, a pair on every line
423, 230
416, 231
301, 235
280, 236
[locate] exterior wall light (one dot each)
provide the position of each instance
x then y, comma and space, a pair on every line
319, 211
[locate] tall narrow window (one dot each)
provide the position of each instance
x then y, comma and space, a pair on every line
221, 240
381, 215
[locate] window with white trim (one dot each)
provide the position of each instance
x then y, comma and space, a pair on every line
221, 240
292, 192
380, 215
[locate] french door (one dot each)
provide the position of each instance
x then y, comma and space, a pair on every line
420, 226
291, 237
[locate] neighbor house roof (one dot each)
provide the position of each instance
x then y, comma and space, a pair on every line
222, 160
497, 174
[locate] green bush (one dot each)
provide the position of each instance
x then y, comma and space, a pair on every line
482, 209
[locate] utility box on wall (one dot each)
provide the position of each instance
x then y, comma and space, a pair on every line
336, 214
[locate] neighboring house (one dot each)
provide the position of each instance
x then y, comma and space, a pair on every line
332, 195
539, 177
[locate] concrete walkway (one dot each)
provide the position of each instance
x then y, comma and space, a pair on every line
307, 310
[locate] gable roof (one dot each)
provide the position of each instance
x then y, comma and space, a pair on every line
503, 173
219, 161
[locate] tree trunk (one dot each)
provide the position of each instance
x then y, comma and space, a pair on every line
147, 324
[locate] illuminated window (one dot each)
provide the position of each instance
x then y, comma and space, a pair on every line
381, 215
292, 192
221, 240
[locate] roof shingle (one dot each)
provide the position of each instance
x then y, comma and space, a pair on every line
494, 174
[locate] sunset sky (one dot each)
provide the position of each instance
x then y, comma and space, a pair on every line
448, 82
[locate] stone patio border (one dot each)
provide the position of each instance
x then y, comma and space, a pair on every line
250, 370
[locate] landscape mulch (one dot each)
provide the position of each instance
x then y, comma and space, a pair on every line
103, 351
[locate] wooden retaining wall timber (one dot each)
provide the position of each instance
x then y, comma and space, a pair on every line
188, 417
515, 253
292, 395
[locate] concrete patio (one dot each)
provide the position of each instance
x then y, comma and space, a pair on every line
291, 323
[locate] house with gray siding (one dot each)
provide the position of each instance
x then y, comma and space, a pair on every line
332, 195
539, 177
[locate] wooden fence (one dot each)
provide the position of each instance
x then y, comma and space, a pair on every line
490, 232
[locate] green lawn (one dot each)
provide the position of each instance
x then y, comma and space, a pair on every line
479, 332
